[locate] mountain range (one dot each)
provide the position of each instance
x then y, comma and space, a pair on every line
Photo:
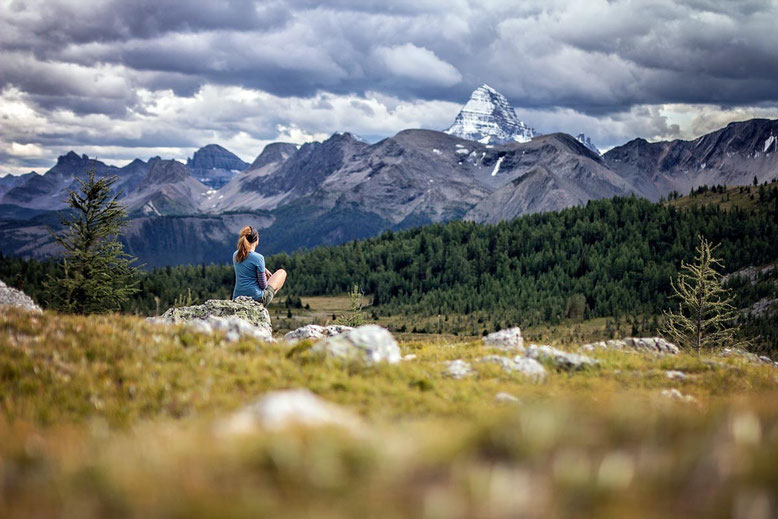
488, 166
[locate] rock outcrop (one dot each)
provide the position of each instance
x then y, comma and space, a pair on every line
369, 344
646, 345
13, 297
242, 317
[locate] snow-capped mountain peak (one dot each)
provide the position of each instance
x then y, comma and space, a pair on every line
488, 118
586, 141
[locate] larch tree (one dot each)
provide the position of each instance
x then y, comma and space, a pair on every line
704, 318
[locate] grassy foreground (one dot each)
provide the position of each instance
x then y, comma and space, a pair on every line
113, 417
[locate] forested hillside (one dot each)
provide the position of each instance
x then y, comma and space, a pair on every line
610, 258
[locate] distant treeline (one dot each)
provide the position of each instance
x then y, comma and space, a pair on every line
609, 258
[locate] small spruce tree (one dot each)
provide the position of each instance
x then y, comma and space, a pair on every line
355, 317
97, 275
705, 315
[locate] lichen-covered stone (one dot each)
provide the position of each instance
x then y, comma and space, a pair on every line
369, 343
560, 359
509, 339
240, 318
13, 297
243, 308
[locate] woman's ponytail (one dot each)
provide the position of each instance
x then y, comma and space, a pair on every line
248, 235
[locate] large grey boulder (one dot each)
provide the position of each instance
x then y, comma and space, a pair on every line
314, 331
518, 364
278, 410
560, 359
505, 340
369, 343
13, 297
655, 345
242, 317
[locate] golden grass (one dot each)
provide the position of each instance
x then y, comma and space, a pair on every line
113, 417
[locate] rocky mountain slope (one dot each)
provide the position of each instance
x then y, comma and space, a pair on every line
487, 167
733, 155
214, 166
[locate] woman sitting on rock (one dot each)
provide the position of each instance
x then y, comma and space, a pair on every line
251, 277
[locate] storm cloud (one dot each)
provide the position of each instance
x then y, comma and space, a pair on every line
122, 79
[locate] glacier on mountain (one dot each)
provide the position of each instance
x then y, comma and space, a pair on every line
489, 119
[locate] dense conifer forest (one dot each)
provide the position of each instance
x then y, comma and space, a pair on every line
610, 258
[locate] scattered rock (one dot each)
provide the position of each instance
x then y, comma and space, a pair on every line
505, 340
645, 344
747, 355
674, 394
314, 331
518, 364
560, 359
13, 297
676, 375
458, 369
292, 407
369, 343
506, 398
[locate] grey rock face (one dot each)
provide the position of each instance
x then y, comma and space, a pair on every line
505, 340
560, 359
656, 345
13, 297
314, 331
458, 369
518, 364
278, 410
369, 344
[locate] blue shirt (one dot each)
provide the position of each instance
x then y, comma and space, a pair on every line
249, 275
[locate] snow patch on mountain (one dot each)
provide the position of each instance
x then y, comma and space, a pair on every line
489, 119
769, 142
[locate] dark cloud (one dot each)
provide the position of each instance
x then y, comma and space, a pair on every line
603, 64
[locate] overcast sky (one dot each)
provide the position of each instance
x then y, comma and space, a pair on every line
121, 79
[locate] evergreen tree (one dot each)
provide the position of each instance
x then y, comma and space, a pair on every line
705, 313
97, 276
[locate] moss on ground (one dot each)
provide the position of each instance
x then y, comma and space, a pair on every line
113, 416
